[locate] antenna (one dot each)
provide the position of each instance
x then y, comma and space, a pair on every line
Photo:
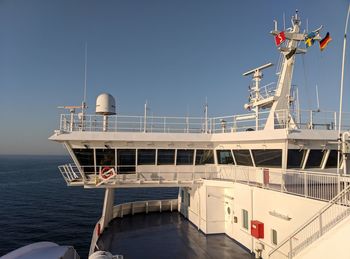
85, 76
206, 115
145, 117
257, 69
317, 99
284, 21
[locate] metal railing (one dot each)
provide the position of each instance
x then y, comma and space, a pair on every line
234, 123
314, 185
170, 175
71, 174
309, 184
132, 208
323, 221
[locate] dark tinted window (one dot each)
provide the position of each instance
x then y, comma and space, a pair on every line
243, 157
315, 158
146, 156
204, 157
105, 157
184, 157
126, 160
295, 158
166, 156
224, 157
268, 157
85, 158
332, 160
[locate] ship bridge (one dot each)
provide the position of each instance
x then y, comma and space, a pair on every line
127, 151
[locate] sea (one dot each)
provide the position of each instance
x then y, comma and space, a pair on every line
36, 204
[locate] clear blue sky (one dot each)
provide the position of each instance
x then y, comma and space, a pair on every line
172, 53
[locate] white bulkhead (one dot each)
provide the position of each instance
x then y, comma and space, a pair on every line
105, 104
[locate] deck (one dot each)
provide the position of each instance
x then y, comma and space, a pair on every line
166, 235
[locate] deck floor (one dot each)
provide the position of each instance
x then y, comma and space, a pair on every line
166, 235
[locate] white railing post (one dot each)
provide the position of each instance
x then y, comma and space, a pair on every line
305, 185
311, 120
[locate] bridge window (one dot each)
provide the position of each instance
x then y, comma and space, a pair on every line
268, 157
126, 159
295, 158
166, 156
85, 158
315, 158
184, 157
243, 157
224, 157
204, 157
146, 156
332, 160
105, 157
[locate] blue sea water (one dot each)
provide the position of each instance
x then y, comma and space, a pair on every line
36, 205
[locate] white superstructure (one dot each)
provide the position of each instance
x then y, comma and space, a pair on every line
273, 168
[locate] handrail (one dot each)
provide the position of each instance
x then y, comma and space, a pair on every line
161, 124
311, 220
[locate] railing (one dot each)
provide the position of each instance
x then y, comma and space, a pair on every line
314, 185
234, 123
170, 175
309, 184
71, 174
333, 213
132, 208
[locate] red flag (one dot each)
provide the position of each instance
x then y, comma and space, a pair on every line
279, 38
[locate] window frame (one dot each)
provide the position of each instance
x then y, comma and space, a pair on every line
245, 219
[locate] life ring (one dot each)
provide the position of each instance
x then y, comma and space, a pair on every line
105, 173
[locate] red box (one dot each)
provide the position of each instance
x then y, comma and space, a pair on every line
257, 229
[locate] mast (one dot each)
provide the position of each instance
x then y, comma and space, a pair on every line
341, 91
280, 109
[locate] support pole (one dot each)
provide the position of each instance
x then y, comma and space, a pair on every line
107, 212
341, 90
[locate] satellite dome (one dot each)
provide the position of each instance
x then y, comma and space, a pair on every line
105, 104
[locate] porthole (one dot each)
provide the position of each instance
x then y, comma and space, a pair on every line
228, 210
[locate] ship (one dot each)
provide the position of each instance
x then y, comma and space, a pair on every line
274, 181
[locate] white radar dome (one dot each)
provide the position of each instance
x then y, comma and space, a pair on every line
105, 104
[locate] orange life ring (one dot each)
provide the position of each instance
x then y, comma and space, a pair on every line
103, 173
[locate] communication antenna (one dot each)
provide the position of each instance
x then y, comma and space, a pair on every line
145, 117
85, 77
206, 115
318, 100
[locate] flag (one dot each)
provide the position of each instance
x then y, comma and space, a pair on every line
311, 35
279, 38
324, 42
309, 42
291, 53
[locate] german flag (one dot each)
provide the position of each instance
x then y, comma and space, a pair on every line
324, 42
